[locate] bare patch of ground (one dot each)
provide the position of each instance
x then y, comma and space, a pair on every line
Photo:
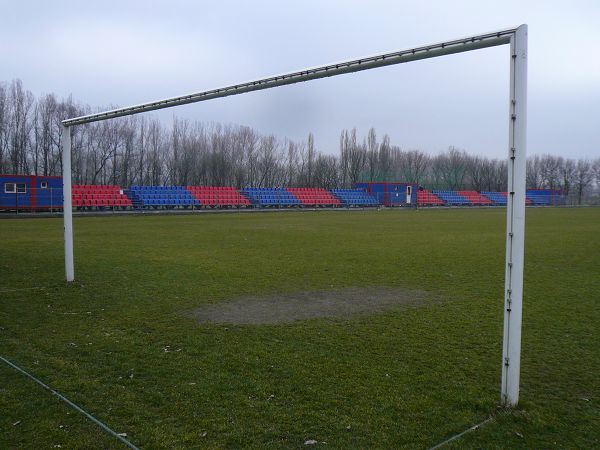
286, 308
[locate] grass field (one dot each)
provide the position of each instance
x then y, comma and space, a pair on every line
122, 342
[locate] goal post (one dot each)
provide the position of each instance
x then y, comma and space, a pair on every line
67, 203
515, 211
515, 217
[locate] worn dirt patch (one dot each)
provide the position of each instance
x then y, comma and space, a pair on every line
286, 308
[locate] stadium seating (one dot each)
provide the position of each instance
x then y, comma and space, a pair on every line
162, 197
92, 195
475, 198
497, 198
270, 197
218, 196
45, 193
314, 197
354, 197
539, 198
426, 198
452, 198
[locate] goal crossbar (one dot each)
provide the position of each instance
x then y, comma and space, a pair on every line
313, 73
516, 186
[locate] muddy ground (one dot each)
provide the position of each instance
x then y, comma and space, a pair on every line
291, 307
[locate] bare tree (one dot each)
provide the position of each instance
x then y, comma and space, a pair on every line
412, 165
4, 127
344, 157
310, 160
550, 171
452, 168
596, 170
20, 126
384, 162
567, 171
534, 172
326, 171
358, 158
145, 151
583, 177
372, 154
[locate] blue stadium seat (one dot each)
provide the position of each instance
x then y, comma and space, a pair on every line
354, 197
270, 197
539, 198
452, 198
162, 196
499, 198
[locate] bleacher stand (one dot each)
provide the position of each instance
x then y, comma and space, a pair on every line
45, 193
426, 198
162, 197
218, 196
270, 197
498, 198
314, 197
354, 197
93, 195
475, 198
452, 198
536, 198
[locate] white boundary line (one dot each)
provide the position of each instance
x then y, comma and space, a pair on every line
72, 405
459, 435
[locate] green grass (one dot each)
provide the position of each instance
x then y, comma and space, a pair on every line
407, 378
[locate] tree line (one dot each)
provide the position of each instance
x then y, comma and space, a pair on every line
143, 150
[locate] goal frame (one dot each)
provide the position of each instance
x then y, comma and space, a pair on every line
516, 38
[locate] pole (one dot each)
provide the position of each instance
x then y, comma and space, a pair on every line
356, 65
515, 228
67, 204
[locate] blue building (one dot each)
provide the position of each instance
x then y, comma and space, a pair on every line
30, 192
391, 193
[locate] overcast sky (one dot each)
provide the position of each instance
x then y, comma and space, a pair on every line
127, 52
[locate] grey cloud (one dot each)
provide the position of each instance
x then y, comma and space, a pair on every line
129, 52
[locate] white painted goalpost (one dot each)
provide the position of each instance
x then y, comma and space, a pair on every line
515, 211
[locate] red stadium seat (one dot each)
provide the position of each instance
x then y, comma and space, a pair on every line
218, 196
314, 197
99, 195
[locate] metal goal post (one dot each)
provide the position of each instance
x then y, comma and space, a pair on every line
516, 38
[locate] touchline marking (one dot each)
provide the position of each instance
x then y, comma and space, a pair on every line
72, 405
468, 430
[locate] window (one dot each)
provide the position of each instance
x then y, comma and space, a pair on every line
21, 188
44, 185
10, 188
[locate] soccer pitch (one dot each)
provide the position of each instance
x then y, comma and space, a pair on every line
192, 331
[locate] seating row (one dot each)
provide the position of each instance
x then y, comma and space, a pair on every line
314, 196
98, 195
540, 199
104, 202
270, 197
354, 197
213, 196
475, 198
451, 198
162, 196
426, 198
498, 198
95, 196
218, 196
157, 188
